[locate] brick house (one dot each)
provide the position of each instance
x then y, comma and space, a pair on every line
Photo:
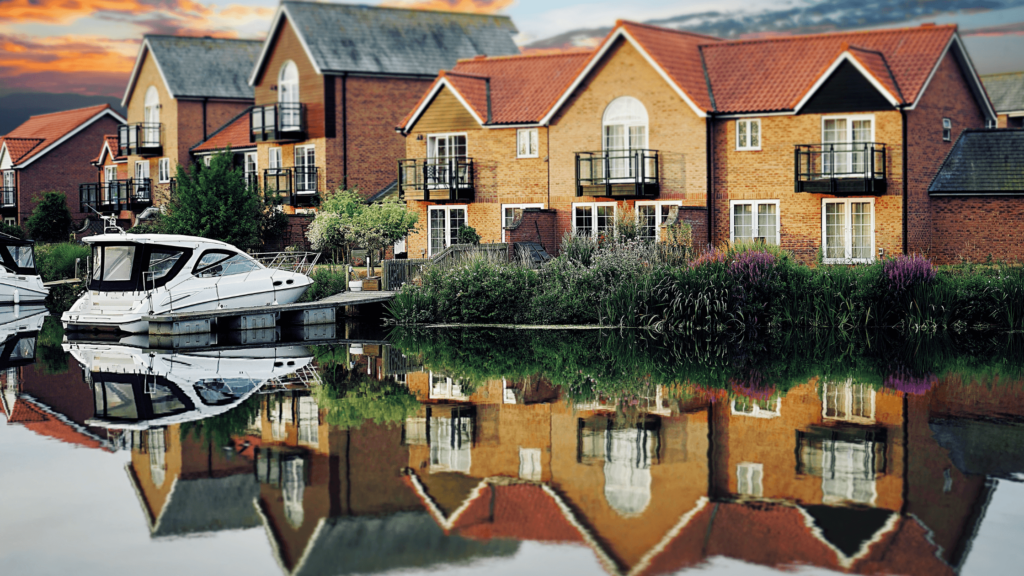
180, 91
810, 133
333, 80
1007, 94
51, 152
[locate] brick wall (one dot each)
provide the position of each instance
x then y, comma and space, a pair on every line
535, 225
294, 234
697, 218
63, 169
976, 228
947, 96
375, 106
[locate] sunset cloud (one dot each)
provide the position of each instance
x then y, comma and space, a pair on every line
474, 6
99, 63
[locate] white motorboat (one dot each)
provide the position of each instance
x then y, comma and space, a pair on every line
19, 281
137, 275
139, 389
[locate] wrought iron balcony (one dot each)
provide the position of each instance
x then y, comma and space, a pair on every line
617, 173
844, 168
436, 180
8, 197
277, 122
140, 139
115, 195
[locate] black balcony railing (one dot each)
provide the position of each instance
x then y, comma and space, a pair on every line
617, 173
277, 122
436, 180
140, 139
116, 195
8, 197
278, 180
844, 168
305, 186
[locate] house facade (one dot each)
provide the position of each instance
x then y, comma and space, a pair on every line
181, 90
821, 143
331, 82
51, 152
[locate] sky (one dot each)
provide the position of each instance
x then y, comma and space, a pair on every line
88, 46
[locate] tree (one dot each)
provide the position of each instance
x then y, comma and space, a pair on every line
380, 225
331, 229
51, 220
12, 230
216, 202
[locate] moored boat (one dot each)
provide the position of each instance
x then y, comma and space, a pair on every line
19, 281
137, 275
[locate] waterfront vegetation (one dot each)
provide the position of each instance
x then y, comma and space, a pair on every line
745, 289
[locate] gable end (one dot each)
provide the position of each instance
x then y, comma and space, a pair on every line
846, 90
445, 113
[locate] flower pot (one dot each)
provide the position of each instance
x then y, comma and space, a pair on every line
355, 286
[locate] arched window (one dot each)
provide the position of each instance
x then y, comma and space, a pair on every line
625, 124
288, 96
151, 119
624, 128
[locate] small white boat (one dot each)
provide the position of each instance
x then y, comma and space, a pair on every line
19, 281
138, 275
139, 389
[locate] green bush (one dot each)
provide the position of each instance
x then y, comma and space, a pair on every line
326, 282
12, 230
57, 261
50, 220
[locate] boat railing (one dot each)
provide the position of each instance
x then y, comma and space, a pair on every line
301, 262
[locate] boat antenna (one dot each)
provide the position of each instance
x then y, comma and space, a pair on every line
109, 222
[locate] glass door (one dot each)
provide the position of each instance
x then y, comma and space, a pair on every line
305, 169
443, 153
444, 224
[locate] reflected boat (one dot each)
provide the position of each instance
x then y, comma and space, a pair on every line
140, 389
139, 275
19, 281
19, 326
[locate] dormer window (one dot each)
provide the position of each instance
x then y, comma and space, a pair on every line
288, 96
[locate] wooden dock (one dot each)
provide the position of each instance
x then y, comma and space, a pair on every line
261, 317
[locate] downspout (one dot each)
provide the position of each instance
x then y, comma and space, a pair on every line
710, 146
906, 178
547, 136
204, 119
344, 131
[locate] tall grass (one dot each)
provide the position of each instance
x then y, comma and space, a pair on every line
743, 291
57, 261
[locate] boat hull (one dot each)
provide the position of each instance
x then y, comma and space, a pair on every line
17, 289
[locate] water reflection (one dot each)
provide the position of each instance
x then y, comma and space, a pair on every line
368, 456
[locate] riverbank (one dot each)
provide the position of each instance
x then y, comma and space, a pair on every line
746, 288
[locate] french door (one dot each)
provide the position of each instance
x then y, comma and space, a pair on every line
444, 223
845, 139
305, 169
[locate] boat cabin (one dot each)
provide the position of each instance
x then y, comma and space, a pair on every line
17, 255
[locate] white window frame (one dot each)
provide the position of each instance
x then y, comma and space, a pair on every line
594, 205
513, 207
947, 130
848, 231
758, 411
533, 141
255, 166
274, 158
753, 207
10, 221
658, 221
745, 472
163, 170
447, 223
109, 173
433, 157
303, 152
530, 466
845, 392
449, 389
749, 122
850, 119
206, 160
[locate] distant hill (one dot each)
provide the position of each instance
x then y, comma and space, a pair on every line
17, 107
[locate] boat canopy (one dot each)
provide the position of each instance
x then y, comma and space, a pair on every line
16, 255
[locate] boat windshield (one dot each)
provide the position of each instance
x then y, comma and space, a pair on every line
131, 267
22, 256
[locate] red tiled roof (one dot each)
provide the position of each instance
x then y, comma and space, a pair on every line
39, 132
37, 420
234, 135
678, 54
109, 141
874, 62
776, 73
519, 511
523, 88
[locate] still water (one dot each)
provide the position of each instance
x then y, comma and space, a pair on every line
358, 451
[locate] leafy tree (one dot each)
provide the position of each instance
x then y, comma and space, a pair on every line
380, 225
216, 202
468, 235
331, 229
51, 219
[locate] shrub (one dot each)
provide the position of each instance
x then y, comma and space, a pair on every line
50, 220
12, 230
57, 261
326, 282
904, 272
468, 235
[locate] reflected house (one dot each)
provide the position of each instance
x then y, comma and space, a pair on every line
333, 501
622, 483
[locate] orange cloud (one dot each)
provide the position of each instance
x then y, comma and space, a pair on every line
98, 65
473, 6
67, 11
